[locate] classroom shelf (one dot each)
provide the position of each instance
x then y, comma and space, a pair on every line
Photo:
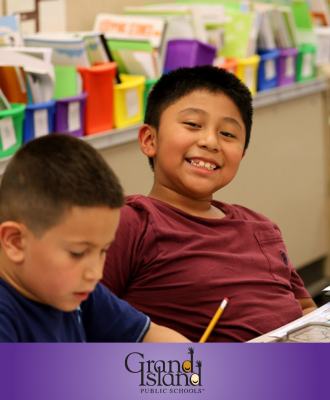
117, 137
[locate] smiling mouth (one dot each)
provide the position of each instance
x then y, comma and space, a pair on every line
201, 164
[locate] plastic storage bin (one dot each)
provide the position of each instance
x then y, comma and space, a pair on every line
323, 45
149, 84
229, 64
39, 120
98, 82
188, 53
128, 101
66, 81
287, 66
267, 70
247, 71
11, 129
306, 68
70, 115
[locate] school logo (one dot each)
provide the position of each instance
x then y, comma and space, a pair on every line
171, 376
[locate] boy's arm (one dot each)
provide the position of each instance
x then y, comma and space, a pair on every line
161, 334
307, 305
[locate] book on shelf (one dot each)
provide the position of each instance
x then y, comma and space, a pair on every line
303, 21
135, 57
42, 69
67, 48
141, 28
42, 53
10, 30
126, 27
13, 84
242, 31
266, 38
319, 10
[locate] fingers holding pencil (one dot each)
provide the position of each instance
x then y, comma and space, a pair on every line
214, 321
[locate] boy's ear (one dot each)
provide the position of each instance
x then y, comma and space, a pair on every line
147, 140
244, 152
12, 237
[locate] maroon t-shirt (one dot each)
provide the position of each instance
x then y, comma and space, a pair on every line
177, 268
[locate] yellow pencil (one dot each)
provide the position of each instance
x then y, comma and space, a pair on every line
214, 321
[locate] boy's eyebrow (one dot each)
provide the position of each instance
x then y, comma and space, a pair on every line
89, 243
193, 111
200, 111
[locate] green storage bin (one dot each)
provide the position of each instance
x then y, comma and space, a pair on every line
149, 84
306, 67
17, 113
65, 81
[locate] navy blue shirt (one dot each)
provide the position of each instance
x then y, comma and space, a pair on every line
101, 318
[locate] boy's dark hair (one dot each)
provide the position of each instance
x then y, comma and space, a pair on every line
49, 175
180, 82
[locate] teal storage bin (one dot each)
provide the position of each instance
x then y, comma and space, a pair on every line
13, 118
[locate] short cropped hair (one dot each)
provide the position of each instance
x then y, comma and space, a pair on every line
49, 175
178, 83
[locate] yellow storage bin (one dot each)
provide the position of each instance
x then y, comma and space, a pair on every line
128, 100
247, 71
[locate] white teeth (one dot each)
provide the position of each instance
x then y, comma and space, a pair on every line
202, 164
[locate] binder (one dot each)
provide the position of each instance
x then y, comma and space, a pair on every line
13, 84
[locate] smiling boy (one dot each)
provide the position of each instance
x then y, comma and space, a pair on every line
178, 252
59, 212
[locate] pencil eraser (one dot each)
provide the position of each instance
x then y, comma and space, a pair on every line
226, 299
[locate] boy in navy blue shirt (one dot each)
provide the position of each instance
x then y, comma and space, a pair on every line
59, 211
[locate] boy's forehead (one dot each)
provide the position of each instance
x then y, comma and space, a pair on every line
198, 101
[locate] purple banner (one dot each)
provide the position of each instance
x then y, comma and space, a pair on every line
164, 371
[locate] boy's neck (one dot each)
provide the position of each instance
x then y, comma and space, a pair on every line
198, 207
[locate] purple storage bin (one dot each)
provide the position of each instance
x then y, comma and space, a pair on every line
70, 115
188, 53
287, 66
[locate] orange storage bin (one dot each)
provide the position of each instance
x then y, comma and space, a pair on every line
98, 82
229, 64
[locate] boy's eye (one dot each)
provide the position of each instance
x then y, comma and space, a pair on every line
192, 124
227, 134
77, 255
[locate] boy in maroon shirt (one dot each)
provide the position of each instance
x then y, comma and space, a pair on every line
178, 252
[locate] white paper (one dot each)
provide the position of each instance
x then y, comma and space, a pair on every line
289, 68
270, 69
132, 103
74, 116
307, 64
7, 132
40, 119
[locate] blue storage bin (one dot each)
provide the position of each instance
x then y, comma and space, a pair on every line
267, 71
41, 114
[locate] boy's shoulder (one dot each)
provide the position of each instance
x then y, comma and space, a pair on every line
244, 213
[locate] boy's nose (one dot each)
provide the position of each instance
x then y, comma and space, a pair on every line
94, 272
209, 140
